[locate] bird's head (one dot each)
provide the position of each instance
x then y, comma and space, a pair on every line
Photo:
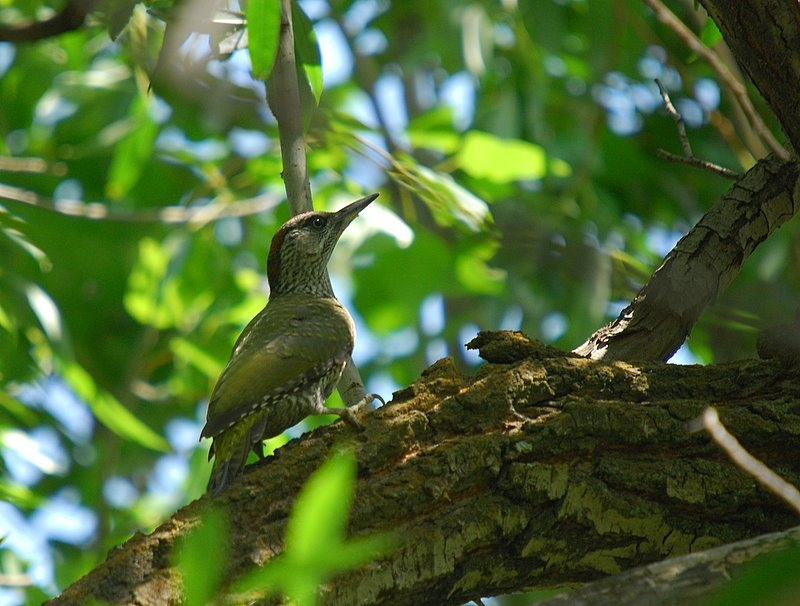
301, 248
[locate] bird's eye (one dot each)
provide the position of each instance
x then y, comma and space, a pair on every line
318, 222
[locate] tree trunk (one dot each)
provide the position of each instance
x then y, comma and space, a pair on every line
542, 469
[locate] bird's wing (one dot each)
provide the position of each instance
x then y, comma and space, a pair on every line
282, 350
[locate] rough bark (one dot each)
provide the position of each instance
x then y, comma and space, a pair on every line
692, 579
764, 35
700, 266
542, 469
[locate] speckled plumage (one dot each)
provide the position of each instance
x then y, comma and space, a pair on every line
289, 358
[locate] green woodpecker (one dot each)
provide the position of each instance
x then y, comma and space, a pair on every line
289, 358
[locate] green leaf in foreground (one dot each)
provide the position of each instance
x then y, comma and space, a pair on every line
263, 33
316, 548
201, 573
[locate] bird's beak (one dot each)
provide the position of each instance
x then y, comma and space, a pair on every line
348, 213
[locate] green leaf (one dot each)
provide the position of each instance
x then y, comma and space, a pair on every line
145, 284
710, 34
134, 151
196, 356
307, 54
315, 545
434, 130
449, 202
320, 512
263, 33
486, 156
110, 412
202, 574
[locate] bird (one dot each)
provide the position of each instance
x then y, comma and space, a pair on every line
290, 356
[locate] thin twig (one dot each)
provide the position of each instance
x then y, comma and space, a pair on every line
737, 88
723, 172
676, 115
747, 462
688, 157
194, 216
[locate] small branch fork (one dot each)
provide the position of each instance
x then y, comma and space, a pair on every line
688, 156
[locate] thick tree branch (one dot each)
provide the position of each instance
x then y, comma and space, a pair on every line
691, 579
536, 472
700, 266
764, 35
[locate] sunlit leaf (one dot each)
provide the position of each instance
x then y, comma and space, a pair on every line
263, 30
320, 512
487, 156
315, 546
450, 203
710, 34
434, 130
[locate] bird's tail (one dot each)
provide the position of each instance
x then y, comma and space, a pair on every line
226, 469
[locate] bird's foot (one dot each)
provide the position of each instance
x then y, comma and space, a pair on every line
349, 413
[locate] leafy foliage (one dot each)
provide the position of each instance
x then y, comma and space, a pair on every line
315, 546
514, 146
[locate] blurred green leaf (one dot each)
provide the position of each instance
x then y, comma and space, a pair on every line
195, 355
133, 151
450, 203
309, 58
315, 546
201, 573
769, 580
110, 412
710, 34
484, 155
263, 32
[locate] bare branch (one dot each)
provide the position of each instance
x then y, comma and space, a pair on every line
217, 209
688, 156
676, 115
736, 87
723, 172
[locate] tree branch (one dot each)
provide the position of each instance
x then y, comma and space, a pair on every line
764, 35
283, 95
688, 156
536, 472
70, 18
700, 266
691, 579
736, 87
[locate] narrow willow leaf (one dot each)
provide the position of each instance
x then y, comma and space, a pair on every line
110, 412
263, 33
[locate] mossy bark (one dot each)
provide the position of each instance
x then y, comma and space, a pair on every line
542, 470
